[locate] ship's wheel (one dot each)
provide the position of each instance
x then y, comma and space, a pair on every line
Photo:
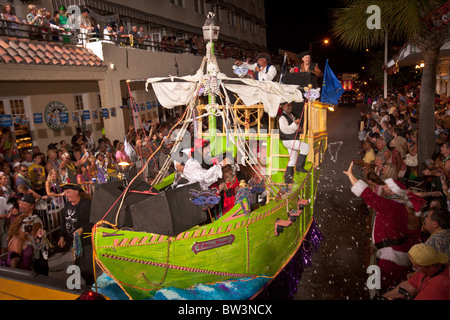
248, 115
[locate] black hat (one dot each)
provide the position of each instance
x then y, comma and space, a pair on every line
304, 53
72, 186
266, 56
52, 146
28, 198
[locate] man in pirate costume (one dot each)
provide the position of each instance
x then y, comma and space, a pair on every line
191, 170
289, 134
75, 224
308, 66
264, 69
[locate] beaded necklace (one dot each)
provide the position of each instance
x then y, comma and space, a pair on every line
445, 160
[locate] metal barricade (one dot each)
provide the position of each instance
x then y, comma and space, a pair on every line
50, 213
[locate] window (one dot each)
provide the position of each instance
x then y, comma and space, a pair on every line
252, 27
216, 10
79, 102
242, 23
20, 130
79, 107
231, 18
17, 107
178, 3
199, 7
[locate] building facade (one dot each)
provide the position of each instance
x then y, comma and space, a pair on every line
49, 88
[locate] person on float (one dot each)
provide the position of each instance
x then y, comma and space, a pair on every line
289, 135
192, 170
264, 69
308, 66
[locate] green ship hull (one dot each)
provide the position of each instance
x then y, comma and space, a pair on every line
235, 246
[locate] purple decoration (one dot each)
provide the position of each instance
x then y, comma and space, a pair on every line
284, 286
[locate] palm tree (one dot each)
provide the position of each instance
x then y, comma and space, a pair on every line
401, 20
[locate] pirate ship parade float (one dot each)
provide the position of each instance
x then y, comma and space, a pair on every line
153, 237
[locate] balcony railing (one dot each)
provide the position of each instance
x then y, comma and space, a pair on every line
66, 36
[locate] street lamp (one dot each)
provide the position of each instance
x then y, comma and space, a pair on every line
210, 30
325, 42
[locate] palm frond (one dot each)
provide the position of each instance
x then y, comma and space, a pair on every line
400, 19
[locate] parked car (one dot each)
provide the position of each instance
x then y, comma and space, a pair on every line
348, 98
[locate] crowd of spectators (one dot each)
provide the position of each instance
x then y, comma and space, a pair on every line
82, 160
59, 26
404, 205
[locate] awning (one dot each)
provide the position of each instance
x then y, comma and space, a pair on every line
410, 55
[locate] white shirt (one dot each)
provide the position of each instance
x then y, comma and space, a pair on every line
285, 127
90, 143
267, 74
194, 172
106, 35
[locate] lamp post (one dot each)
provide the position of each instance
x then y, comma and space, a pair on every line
211, 34
324, 42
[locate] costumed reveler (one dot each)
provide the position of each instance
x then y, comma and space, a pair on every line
308, 66
74, 223
264, 69
390, 229
289, 134
192, 170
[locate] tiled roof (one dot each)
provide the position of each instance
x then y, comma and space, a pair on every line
31, 52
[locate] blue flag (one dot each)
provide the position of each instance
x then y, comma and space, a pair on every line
332, 88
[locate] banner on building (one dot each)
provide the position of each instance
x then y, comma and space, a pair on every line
86, 115
38, 118
5, 120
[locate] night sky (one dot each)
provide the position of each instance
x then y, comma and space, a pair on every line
293, 25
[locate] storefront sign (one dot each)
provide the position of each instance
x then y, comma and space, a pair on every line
53, 116
105, 113
38, 118
5, 120
64, 116
86, 115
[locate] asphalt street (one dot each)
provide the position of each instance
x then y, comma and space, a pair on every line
338, 270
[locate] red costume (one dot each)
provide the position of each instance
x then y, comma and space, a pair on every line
229, 199
228, 195
390, 234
